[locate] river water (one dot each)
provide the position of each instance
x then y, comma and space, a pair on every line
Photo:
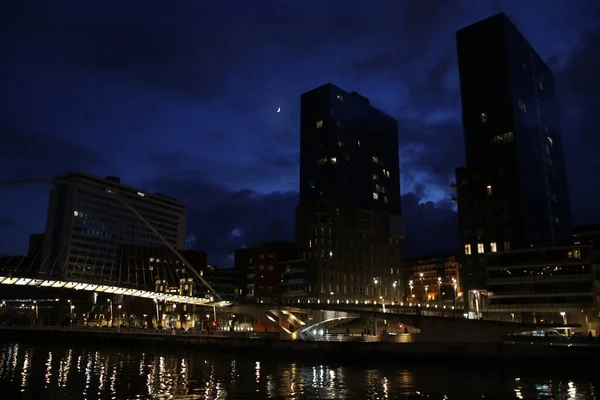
98, 372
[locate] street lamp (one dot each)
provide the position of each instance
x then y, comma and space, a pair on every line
563, 315
439, 282
375, 282
454, 288
426, 290
394, 286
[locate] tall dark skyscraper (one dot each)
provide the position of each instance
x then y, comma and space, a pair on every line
348, 220
512, 193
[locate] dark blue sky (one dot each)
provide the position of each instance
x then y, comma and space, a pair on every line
181, 97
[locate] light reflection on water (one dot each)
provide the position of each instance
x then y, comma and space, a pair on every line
44, 372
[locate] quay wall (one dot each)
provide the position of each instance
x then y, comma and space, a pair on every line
269, 346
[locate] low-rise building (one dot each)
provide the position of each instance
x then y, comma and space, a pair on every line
261, 267
553, 285
294, 279
433, 279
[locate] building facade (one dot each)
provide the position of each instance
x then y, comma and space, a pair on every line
261, 267
158, 269
87, 222
348, 222
433, 279
512, 193
554, 285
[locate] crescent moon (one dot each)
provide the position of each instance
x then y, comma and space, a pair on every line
278, 109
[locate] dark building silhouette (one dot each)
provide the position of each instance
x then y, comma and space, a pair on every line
348, 151
348, 221
512, 193
260, 266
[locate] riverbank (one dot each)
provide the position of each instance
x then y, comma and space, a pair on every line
268, 346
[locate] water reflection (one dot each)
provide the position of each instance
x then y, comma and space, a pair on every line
44, 372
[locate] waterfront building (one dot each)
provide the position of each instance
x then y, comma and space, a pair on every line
348, 222
433, 279
553, 285
260, 266
87, 223
512, 192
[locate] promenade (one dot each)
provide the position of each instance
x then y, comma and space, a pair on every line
388, 348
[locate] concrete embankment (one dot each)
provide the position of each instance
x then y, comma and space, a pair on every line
381, 351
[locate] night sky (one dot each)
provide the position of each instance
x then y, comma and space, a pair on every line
180, 97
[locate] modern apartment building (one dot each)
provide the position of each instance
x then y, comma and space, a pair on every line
348, 222
90, 218
512, 192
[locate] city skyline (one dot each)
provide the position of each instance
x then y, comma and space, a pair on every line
209, 184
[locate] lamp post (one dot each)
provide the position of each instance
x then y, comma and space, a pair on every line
422, 283
426, 291
454, 294
439, 282
375, 282
394, 286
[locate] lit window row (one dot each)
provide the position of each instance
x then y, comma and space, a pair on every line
503, 138
481, 248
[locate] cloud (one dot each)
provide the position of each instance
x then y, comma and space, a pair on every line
579, 94
31, 154
431, 228
220, 220
6, 222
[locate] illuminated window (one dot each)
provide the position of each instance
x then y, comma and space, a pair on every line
385, 199
387, 173
377, 187
483, 117
480, 248
489, 190
322, 161
522, 105
339, 97
468, 249
503, 138
358, 143
576, 253
375, 196
340, 143
376, 159
493, 247
506, 245
333, 160
375, 177
319, 124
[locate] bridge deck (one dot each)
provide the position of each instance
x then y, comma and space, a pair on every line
74, 285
